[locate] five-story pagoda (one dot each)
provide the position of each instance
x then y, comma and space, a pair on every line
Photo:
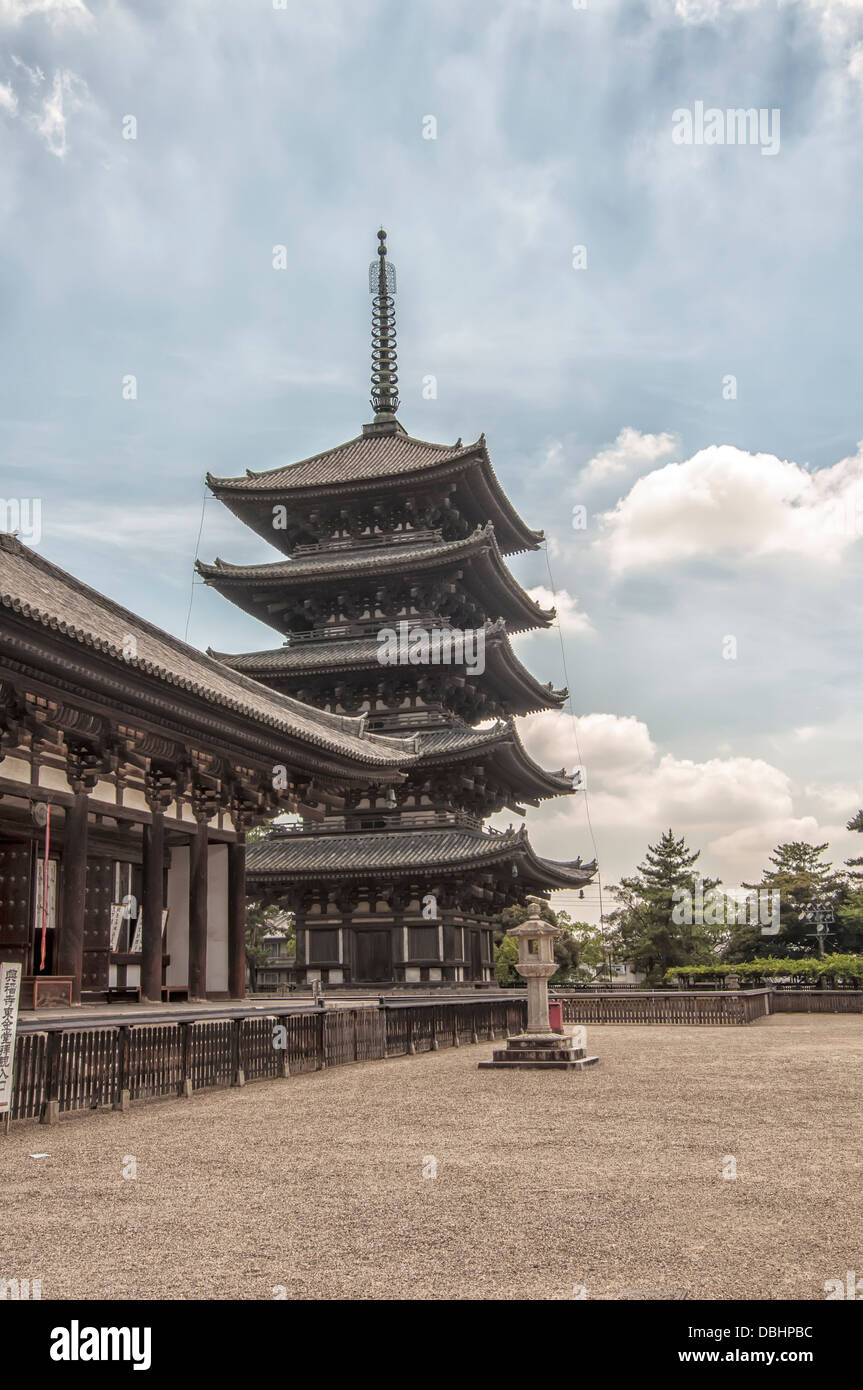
396, 602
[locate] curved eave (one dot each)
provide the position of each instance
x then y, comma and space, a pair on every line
253, 503
325, 857
502, 748
496, 585
509, 678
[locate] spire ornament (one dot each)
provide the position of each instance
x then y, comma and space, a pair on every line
385, 381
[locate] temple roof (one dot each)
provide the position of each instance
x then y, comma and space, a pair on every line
380, 460
457, 744
45, 595
401, 853
525, 694
497, 586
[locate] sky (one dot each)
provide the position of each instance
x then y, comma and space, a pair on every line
660, 340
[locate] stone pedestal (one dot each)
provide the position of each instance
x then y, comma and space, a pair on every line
540, 1052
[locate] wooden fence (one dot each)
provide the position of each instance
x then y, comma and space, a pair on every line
60, 1068
817, 1001
653, 1007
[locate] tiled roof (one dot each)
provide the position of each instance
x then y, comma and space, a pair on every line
44, 594
443, 850
334, 653
367, 456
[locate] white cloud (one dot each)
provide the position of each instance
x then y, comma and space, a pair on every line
570, 617
67, 95
734, 809
631, 450
8, 99
724, 500
57, 12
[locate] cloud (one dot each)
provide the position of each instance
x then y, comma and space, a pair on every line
68, 93
734, 809
726, 501
8, 99
56, 12
570, 619
631, 450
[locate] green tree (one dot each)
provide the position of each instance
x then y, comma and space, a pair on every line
644, 930
566, 946
807, 886
849, 914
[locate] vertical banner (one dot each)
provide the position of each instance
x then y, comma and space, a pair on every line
11, 973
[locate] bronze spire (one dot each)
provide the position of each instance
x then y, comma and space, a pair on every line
385, 381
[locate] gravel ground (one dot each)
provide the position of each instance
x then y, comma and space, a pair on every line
609, 1179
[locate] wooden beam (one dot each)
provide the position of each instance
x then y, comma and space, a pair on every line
70, 952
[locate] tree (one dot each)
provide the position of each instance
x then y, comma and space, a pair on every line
644, 926
850, 910
808, 890
261, 921
566, 946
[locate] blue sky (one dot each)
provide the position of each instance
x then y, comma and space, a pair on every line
602, 387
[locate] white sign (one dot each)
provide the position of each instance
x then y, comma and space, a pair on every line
10, 988
138, 941
118, 914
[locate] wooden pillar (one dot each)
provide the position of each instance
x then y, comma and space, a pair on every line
237, 917
198, 912
70, 953
153, 889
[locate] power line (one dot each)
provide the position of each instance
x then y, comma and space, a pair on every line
574, 724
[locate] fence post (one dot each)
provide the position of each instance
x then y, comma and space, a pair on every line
237, 1068
51, 1108
456, 1040
321, 1041
186, 1058
411, 1049
123, 1097
434, 1044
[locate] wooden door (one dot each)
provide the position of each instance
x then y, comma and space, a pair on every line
16, 883
374, 961
97, 923
475, 956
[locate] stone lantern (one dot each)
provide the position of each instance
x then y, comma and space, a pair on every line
538, 1048
536, 964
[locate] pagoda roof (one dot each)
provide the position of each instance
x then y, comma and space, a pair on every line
451, 746
503, 669
402, 853
381, 459
42, 594
497, 586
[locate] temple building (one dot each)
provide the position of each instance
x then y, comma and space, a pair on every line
395, 604
131, 766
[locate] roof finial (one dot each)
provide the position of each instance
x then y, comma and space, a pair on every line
385, 381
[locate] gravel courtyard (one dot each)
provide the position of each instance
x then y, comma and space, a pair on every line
610, 1179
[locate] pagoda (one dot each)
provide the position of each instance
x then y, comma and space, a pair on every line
395, 603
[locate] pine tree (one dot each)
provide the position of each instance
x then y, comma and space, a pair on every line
644, 930
809, 891
850, 911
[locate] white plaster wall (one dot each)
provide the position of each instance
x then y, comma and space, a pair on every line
55, 778
178, 919
134, 799
16, 769
217, 917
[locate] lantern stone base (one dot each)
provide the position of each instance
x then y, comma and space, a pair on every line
539, 1052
